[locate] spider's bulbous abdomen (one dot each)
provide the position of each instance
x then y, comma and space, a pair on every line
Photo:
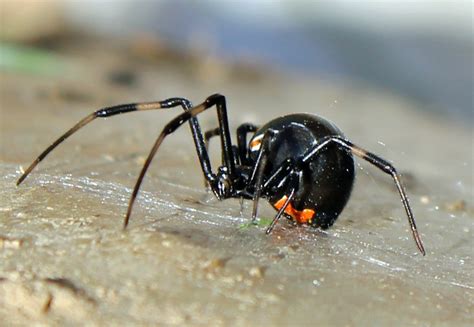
326, 179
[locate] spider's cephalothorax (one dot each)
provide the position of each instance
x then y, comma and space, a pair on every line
301, 163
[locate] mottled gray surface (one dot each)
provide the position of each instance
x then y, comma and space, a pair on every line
186, 258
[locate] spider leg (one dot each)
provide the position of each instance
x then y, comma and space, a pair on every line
213, 133
125, 108
210, 134
283, 172
241, 151
217, 132
380, 163
228, 153
241, 202
207, 136
228, 156
281, 211
189, 115
242, 132
286, 170
173, 125
257, 174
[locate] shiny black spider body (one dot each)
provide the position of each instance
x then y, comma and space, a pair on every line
301, 163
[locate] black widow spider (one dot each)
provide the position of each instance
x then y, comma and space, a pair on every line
301, 163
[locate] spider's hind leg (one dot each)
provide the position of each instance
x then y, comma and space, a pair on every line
217, 185
378, 162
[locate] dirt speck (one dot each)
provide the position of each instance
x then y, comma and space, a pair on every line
257, 272
456, 206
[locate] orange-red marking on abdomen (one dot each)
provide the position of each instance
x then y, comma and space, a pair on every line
255, 144
303, 216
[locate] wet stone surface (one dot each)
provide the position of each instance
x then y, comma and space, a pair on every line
190, 259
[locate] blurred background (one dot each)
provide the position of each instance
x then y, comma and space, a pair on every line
422, 50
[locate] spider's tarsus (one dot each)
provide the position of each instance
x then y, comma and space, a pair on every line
129, 213
419, 243
27, 172
18, 182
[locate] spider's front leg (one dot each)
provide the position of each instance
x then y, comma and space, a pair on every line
188, 116
220, 183
240, 152
118, 110
287, 173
